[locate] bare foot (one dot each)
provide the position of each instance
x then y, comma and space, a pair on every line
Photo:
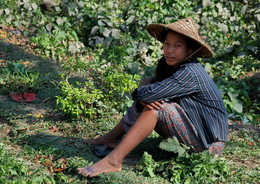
103, 166
102, 141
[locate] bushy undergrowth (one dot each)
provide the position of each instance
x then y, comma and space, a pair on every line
80, 101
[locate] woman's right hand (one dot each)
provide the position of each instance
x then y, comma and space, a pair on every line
153, 105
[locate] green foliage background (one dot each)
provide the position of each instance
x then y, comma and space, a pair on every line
107, 41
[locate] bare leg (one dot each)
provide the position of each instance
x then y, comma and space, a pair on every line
143, 127
109, 139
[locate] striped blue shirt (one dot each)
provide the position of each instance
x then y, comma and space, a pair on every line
192, 88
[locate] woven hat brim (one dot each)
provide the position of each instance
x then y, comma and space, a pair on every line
156, 30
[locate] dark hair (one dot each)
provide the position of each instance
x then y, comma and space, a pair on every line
163, 70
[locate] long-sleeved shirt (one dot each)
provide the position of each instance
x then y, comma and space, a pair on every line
192, 88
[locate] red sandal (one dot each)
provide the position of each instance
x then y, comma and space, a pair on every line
29, 97
16, 96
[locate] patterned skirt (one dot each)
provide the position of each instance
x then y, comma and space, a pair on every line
172, 121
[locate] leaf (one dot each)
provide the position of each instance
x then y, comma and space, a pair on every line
38, 115
147, 164
150, 171
204, 20
49, 27
58, 170
253, 48
130, 20
206, 3
7, 11
147, 61
110, 24
107, 41
71, 13
34, 6
80, 15
94, 30
54, 128
232, 96
99, 40
223, 27
232, 5
229, 49
101, 23
258, 17
57, 8
244, 9
27, 5
238, 107
172, 145
72, 48
48, 163
115, 33
59, 21
106, 32
208, 67
250, 143
245, 120
25, 62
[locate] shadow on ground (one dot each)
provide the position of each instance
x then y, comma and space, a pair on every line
63, 146
46, 88
75, 147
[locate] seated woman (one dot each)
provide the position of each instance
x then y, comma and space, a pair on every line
181, 100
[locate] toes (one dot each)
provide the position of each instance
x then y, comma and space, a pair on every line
86, 171
80, 169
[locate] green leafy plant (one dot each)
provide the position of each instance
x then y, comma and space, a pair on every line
79, 101
173, 145
185, 168
14, 170
16, 77
147, 165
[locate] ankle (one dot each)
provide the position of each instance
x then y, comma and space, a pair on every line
114, 161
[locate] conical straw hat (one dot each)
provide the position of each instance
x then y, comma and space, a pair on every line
188, 28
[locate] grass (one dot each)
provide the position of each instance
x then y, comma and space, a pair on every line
39, 144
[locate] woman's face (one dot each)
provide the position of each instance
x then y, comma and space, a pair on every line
175, 48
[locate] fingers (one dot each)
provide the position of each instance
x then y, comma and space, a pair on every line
146, 105
154, 105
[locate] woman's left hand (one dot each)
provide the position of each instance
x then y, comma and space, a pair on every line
153, 105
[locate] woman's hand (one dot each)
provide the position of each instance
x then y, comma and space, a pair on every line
153, 105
